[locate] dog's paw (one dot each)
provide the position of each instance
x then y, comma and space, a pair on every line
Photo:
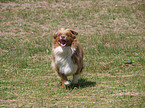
67, 83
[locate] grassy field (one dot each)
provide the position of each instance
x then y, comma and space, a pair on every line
110, 31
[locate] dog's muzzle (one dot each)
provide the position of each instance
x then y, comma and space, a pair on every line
62, 40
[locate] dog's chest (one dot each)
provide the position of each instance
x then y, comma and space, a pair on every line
64, 61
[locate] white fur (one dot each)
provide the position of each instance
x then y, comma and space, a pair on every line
63, 60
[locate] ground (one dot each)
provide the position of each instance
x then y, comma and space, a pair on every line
113, 38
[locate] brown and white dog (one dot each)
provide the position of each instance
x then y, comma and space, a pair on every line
67, 56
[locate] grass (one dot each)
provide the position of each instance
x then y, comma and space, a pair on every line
110, 31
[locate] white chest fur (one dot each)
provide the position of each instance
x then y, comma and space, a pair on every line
63, 60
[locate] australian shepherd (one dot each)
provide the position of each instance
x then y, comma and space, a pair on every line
67, 56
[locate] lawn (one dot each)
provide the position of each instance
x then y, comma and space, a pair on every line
112, 34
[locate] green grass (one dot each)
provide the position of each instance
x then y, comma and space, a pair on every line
110, 31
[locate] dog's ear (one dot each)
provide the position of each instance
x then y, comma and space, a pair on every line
55, 35
74, 33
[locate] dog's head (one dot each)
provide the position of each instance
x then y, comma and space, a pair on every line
65, 37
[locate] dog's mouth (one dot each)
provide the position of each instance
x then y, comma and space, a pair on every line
62, 42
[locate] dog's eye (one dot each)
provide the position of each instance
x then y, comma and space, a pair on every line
59, 34
67, 34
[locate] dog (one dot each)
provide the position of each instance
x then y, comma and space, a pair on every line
67, 56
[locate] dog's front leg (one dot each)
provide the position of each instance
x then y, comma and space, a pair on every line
62, 76
65, 81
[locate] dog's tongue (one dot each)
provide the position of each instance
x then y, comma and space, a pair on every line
63, 42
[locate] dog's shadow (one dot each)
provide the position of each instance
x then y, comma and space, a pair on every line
82, 84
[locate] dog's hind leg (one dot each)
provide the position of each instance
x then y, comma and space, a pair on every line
75, 79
